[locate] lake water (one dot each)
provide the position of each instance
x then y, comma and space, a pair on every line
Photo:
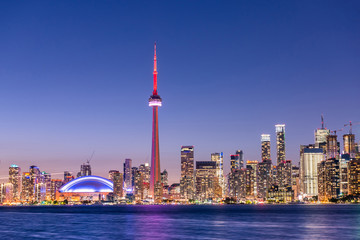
181, 222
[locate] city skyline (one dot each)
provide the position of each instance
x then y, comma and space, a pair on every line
58, 108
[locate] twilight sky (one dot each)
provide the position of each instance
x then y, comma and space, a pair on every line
75, 77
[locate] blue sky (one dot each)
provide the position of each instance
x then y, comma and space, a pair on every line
76, 77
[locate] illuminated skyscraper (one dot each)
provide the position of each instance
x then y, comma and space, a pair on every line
15, 180
128, 173
118, 182
155, 177
55, 185
207, 184
164, 178
264, 178
187, 172
241, 158
354, 177
333, 147
145, 171
219, 159
349, 144
310, 157
27, 191
280, 142
35, 182
265, 147
284, 174
234, 162
251, 178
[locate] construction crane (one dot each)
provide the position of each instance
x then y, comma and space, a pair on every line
351, 124
335, 131
89, 159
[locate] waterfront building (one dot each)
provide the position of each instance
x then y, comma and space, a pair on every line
55, 186
218, 158
15, 180
265, 147
138, 185
118, 183
328, 179
284, 174
251, 179
344, 180
310, 157
264, 178
280, 142
6, 193
354, 176
236, 184
36, 183
45, 186
187, 173
295, 178
174, 191
277, 194
128, 174
27, 192
206, 181
88, 188
155, 102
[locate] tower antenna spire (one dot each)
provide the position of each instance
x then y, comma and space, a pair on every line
155, 71
322, 121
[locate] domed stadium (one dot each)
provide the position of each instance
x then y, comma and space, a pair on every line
88, 184
87, 188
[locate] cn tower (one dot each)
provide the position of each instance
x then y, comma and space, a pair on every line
155, 102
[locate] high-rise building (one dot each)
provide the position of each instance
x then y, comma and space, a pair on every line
85, 170
344, 178
310, 157
295, 178
127, 174
354, 177
164, 178
240, 153
15, 180
55, 185
251, 179
236, 184
219, 159
264, 178
45, 186
328, 179
36, 183
155, 102
265, 147
118, 183
280, 142
207, 183
6, 193
349, 145
68, 177
284, 174
234, 162
333, 147
27, 192
134, 171
187, 183
321, 136
145, 171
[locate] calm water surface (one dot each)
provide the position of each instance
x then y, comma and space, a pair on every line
181, 222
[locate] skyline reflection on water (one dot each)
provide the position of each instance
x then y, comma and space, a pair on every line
181, 222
